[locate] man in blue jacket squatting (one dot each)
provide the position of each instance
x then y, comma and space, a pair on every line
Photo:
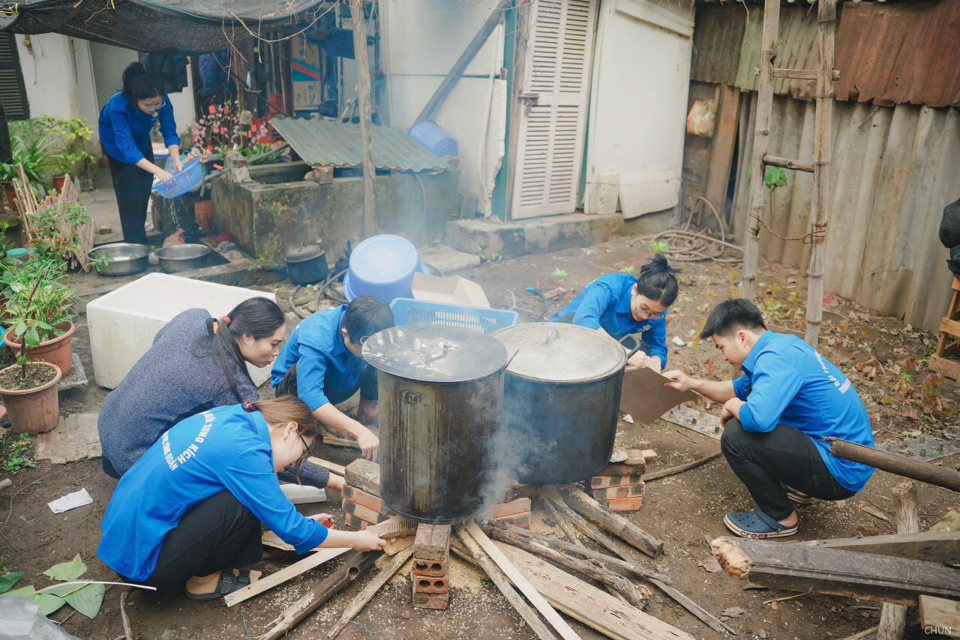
774, 416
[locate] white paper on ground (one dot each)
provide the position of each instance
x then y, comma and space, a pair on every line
71, 501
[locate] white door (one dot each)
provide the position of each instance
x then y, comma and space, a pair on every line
553, 105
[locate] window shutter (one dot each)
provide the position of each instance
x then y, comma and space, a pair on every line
13, 93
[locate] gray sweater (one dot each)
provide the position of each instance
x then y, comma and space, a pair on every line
172, 381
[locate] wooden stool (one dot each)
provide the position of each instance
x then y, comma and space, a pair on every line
944, 360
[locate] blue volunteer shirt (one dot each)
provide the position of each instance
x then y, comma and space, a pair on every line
223, 448
326, 370
125, 129
605, 303
785, 381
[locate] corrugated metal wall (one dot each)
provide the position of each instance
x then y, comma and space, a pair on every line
893, 171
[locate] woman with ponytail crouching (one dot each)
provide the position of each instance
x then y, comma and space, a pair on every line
188, 514
196, 363
621, 305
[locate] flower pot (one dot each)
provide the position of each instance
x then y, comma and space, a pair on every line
203, 214
35, 410
11, 195
58, 351
58, 182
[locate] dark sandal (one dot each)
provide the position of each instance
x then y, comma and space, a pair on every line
756, 524
226, 584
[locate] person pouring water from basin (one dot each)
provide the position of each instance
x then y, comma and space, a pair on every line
321, 363
621, 305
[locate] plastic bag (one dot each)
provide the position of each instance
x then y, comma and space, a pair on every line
950, 225
702, 118
19, 621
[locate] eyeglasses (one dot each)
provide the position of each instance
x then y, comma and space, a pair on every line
651, 315
151, 108
301, 459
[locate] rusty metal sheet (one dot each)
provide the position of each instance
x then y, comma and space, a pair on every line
796, 49
901, 53
717, 39
330, 142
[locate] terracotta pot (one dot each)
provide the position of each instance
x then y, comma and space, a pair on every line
58, 182
11, 195
35, 410
203, 214
58, 351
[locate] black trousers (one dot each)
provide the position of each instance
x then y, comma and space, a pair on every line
132, 186
763, 460
217, 534
368, 385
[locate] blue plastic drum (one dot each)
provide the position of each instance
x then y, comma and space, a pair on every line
382, 266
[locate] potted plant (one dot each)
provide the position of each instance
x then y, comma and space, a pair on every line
57, 231
29, 388
38, 302
37, 163
72, 159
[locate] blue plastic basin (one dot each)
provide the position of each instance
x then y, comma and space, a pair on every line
382, 266
436, 140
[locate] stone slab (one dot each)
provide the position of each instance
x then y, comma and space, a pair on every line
538, 235
77, 377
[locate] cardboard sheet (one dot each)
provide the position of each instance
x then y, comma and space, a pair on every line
645, 398
448, 289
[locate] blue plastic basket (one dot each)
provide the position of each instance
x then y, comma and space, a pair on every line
182, 181
408, 311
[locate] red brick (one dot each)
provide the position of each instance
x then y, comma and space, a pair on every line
623, 469
365, 499
438, 601
521, 520
623, 504
601, 482
618, 492
431, 584
517, 490
432, 542
429, 567
512, 508
352, 522
364, 513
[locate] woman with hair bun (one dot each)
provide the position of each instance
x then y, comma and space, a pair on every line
621, 305
125, 123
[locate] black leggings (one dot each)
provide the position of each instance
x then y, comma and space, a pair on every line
763, 460
217, 534
132, 186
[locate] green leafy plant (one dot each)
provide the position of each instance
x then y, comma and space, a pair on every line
658, 246
83, 595
36, 159
67, 136
629, 269
17, 454
559, 274
56, 232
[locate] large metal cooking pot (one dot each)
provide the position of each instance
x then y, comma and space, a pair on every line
441, 390
561, 400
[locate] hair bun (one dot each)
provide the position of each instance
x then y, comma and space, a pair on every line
659, 264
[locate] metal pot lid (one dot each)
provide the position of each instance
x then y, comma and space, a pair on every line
304, 253
435, 353
556, 352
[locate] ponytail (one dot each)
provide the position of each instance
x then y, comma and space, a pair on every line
658, 282
257, 317
139, 84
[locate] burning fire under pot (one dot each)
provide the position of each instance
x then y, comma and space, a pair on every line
561, 400
441, 391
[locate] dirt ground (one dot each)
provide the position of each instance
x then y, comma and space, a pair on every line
883, 358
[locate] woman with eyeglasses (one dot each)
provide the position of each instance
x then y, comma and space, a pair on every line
188, 514
125, 123
621, 305
322, 364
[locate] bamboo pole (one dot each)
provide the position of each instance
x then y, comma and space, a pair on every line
366, 116
820, 215
761, 143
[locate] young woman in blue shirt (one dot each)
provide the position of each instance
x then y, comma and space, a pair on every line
125, 123
188, 514
622, 305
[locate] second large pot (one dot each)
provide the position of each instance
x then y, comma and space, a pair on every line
440, 396
561, 400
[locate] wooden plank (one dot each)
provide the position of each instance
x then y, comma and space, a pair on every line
338, 469
591, 606
369, 590
346, 443
680, 468
894, 463
950, 326
395, 526
478, 556
366, 115
798, 567
721, 151
615, 524
893, 617
932, 546
521, 582
787, 163
940, 616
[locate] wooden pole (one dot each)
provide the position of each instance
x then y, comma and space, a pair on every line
615, 524
500, 579
127, 630
761, 143
495, 18
293, 615
893, 617
366, 115
893, 463
360, 601
820, 215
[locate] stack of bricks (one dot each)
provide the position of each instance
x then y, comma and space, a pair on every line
431, 556
619, 487
362, 504
516, 506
